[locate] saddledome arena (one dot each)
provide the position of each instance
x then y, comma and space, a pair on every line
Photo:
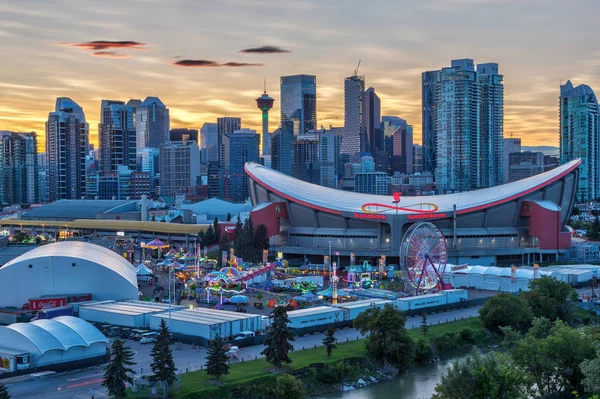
522, 222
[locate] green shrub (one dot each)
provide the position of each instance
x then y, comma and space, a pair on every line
289, 387
329, 374
466, 335
446, 343
209, 393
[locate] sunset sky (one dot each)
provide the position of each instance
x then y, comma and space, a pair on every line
191, 55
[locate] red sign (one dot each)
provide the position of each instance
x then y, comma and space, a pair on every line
419, 216
47, 303
369, 216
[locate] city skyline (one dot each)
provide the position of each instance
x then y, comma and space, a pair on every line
222, 72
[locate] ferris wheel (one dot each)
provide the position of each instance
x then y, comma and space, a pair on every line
423, 256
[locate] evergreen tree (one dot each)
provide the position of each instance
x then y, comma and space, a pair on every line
223, 246
424, 325
237, 238
277, 341
228, 217
216, 360
209, 236
117, 371
216, 229
261, 241
4, 392
329, 341
162, 365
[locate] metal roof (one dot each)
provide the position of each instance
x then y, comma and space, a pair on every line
80, 250
42, 339
338, 201
198, 316
86, 331
309, 311
67, 337
78, 209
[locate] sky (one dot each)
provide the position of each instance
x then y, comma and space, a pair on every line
207, 59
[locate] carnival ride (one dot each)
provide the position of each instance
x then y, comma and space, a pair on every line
423, 256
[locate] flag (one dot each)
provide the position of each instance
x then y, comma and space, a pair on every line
337, 253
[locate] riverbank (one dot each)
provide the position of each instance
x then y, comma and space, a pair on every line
257, 374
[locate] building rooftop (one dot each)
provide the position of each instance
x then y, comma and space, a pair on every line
78, 209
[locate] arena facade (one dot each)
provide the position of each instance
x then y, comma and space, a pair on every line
520, 223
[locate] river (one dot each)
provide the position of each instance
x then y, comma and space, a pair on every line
418, 383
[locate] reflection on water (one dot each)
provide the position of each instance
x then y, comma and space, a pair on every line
419, 383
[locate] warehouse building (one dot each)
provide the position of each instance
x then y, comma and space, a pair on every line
127, 314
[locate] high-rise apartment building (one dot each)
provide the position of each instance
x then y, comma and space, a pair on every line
148, 161
179, 167
209, 141
371, 183
240, 147
417, 158
117, 136
511, 145
580, 135
372, 120
305, 158
463, 117
355, 135
19, 173
66, 149
184, 134
491, 116
226, 125
152, 123
298, 98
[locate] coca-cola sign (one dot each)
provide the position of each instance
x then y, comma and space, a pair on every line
46, 303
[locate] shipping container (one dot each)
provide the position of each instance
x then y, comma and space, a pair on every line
456, 295
421, 302
320, 315
353, 309
128, 313
55, 312
46, 303
11, 361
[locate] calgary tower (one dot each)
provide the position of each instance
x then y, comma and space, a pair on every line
265, 103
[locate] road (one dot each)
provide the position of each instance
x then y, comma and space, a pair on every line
79, 385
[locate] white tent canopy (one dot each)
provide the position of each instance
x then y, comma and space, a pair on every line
142, 270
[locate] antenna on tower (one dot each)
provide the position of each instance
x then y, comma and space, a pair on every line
356, 70
265, 82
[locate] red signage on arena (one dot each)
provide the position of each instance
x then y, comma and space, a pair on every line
424, 210
369, 216
421, 216
47, 303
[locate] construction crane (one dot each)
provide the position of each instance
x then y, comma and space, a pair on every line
356, 69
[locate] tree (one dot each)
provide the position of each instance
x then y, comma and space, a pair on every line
554, 362
237, 237
505, 310
424, 325
210, 236
423, 350
21, 236
289, 387
162, 364
591, 373
477, 377
551, 298
223, 247
117, 372
216, 360
228, 217
4, 392
277, 341
216, 229
329, 341
388, 340
261, 239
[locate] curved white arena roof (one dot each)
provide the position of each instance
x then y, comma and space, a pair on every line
338, 201
41, 336
67, 268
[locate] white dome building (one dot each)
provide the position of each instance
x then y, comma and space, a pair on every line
67, 268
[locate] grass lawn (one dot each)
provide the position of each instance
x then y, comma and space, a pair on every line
244, 372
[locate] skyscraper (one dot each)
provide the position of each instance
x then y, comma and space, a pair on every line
210, 141
330, 143
117, 136
240, 147
265, 103
19, 180
580, 135
225, 125
148, 160
305, 158
281, 151
402, 150
429, 82
66, 149
179, 167
298, 103
354, 139
372, 121
457, 128
184, 134
152, 123
491, 116
511, 145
